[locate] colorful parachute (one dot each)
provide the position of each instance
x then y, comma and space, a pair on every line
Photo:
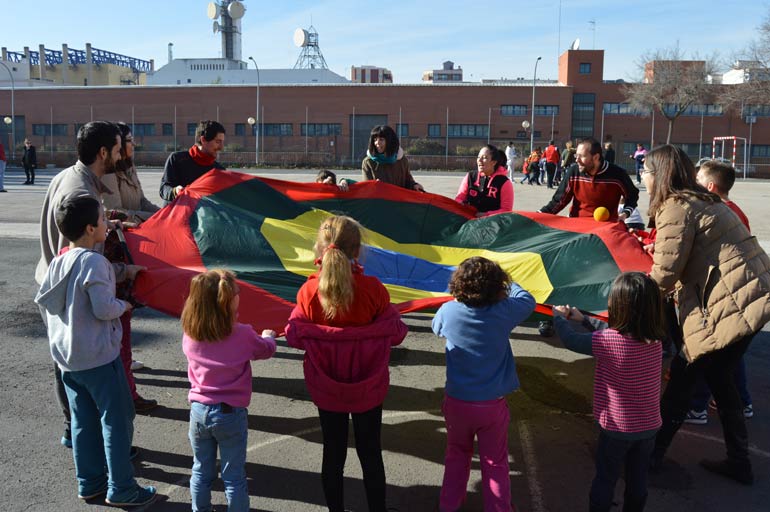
264, 230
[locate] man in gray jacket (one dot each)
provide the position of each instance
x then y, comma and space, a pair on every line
98, 145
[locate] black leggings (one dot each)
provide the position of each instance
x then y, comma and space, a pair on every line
366, 427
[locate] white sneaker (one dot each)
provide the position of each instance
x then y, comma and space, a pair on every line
697, 417
748, 411
136, 365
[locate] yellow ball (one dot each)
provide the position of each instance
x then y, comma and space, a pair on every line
601, 214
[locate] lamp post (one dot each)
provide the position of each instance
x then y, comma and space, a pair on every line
256, 145
13, 113
532, 121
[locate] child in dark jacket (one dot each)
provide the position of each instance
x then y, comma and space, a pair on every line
346, 325
480, 372
627, 384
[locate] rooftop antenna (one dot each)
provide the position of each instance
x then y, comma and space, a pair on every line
593, 28
575, 44
310, 56
229, 13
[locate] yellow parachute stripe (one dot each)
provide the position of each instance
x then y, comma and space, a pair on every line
293, 240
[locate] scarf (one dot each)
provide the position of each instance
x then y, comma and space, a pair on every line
382, 158
200, 157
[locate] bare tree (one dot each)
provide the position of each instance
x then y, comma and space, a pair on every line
670, 85
755, 89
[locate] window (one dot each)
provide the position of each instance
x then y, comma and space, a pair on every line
45, 129
623, 109
583, 114
277, 130
760, 150
403, 130
546, 110
142, 129
240, 129
695, 110
585, 68
513, 110
191, 127
434, 130
167, 129
756, 110
468, 130
321, 129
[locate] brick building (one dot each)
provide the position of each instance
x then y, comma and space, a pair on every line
329, 124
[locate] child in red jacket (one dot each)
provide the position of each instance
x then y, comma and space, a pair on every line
346, 325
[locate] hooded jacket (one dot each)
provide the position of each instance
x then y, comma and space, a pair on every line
82, 313
346, 368
396, 173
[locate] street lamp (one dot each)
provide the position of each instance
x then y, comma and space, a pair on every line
532, 122
13, 113
256, 145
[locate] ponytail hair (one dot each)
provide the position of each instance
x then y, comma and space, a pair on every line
208, 314
498, 156
338, 242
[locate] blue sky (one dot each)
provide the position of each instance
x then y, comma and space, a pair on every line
500, 39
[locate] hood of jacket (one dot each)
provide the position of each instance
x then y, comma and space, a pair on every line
52, 295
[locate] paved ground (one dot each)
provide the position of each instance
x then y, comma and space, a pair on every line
551, 435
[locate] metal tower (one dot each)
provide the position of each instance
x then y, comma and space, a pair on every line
310, 57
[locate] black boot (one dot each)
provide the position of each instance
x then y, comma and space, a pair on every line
737, 465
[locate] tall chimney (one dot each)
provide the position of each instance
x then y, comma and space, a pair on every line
170, 52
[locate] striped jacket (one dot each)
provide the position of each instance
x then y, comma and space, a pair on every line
627, 380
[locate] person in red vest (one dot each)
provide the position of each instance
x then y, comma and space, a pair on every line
552, 157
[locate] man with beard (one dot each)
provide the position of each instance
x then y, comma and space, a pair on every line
592, 183
184, 167
98, 146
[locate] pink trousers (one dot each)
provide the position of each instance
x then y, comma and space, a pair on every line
125, 353
488, 421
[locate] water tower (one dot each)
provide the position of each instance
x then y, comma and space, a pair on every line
310, 57
229, 13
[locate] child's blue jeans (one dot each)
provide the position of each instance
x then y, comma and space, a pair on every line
211, 427
102, 428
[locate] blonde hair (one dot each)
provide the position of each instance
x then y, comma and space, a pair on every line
338, 242
208, 314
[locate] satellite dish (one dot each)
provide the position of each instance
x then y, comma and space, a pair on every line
575, 44
212, 11
215, 27
300, 37
236, 10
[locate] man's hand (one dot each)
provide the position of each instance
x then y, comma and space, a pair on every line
178, 190
622, 216
129, 306
418, 187
343, 185
132, 270
268, 333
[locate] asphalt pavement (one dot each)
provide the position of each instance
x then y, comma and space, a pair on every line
551, 436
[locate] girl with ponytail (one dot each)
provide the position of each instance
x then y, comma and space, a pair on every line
346, 325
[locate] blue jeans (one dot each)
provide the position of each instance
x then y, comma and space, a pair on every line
102, 429
209, 428
612, 455
702, 392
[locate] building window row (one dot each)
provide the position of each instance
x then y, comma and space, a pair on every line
522, 110
695, 110
475, 131
207, 67
320, 129
623, 109
49, 129
756, 110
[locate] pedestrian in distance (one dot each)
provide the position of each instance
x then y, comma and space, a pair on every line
346, 325
628, 357
480, 372
29, 161
219, 351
